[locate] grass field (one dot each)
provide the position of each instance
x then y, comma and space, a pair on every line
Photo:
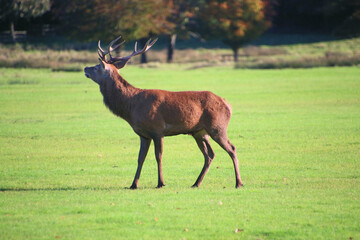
65, 160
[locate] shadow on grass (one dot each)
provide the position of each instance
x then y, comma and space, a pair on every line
18, 189
15, 189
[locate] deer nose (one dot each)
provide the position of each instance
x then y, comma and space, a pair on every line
86, 74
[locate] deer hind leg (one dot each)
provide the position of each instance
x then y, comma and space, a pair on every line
144, 147
203, 143
221, 138
158, 142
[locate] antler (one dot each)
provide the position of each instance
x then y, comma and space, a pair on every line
119, 62
102, 53
147, 46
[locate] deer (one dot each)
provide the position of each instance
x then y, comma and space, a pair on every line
154, 114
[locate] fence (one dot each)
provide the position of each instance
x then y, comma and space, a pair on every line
20, 36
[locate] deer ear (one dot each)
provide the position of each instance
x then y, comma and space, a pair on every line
102, 63
120, 64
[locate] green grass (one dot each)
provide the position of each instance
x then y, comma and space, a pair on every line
65, 160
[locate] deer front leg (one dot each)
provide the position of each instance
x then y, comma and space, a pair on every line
144, 148
158, 142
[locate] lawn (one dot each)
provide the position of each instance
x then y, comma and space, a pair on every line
65, 160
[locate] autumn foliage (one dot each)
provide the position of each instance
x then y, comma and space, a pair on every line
91, 20
235, 22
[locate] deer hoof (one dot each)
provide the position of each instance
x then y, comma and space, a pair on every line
239, 186
160, 185
133, 187
195, 186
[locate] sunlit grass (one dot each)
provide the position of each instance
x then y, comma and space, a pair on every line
66, 160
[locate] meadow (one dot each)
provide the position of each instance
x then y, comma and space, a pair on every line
66, 161
269, 52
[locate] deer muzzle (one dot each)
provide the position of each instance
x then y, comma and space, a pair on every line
86, 72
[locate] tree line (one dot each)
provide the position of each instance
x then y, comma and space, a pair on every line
234, 22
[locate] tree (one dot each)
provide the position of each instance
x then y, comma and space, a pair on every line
182, 12
151, 18
344, 16
235, 22
12, 10
90, 20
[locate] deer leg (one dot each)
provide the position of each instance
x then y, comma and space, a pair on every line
158, 142
225, 143
144, 148
204, 146
209, 149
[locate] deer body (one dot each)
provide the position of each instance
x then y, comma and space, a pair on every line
154, 114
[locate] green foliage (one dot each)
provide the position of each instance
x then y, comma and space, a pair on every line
182, 14
91, 20
15, 9
65, 159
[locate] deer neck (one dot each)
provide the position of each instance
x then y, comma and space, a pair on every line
117, 93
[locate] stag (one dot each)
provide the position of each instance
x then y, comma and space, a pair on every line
154, 114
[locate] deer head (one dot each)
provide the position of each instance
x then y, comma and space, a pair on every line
98, 72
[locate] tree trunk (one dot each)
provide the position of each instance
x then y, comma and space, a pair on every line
171, 47
236, 54
143, 56
12, 31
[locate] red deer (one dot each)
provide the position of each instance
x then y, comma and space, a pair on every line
154, 114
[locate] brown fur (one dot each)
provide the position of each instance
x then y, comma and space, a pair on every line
154, 114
